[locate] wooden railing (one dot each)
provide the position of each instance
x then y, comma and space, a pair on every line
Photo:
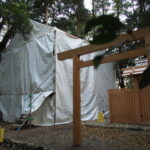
123, 104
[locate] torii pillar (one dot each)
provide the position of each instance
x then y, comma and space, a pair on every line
76, 102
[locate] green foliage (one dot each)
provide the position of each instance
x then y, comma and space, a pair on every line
101, 7
140, 16
146, 78
129, 82
66, 15
39, 8
134, 21
136, 14
14, 15
120, 7
64, 24
138, 19
97, 60
83, 13
74, 17
106, 26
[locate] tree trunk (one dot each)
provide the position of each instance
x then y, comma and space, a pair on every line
10, 33
141, 15
93, 8
120, 78
78, 23
53, 15
103, 8
117, 9
46, 12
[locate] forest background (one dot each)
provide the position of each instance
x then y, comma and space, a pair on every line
71, 16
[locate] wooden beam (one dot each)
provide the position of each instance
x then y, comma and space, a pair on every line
125, 55
76, 102
139, 34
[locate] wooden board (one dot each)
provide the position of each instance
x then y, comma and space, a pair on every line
121, 56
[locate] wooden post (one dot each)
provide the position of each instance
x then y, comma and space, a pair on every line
137, 98
147, 42
76, 102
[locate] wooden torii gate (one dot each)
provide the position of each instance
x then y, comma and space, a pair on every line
141, 34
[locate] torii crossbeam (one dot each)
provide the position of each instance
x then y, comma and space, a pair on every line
141, 34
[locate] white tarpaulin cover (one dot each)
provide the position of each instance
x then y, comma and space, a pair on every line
28, 67
105, 79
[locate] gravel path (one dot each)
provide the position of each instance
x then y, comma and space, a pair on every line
93, 138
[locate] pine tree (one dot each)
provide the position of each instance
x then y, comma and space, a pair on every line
74, 17
15, 18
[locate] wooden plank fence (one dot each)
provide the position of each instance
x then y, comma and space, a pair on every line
123, 104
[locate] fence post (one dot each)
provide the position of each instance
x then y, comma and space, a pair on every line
110, 105
137, 100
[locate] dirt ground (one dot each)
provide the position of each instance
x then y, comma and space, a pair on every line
93, 138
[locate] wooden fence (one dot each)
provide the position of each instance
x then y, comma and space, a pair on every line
126, 107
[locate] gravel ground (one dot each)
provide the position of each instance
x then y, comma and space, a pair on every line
93, 138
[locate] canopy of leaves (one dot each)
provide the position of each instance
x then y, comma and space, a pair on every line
101, 7
14, 15
106, 26
146, 78
140, 16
